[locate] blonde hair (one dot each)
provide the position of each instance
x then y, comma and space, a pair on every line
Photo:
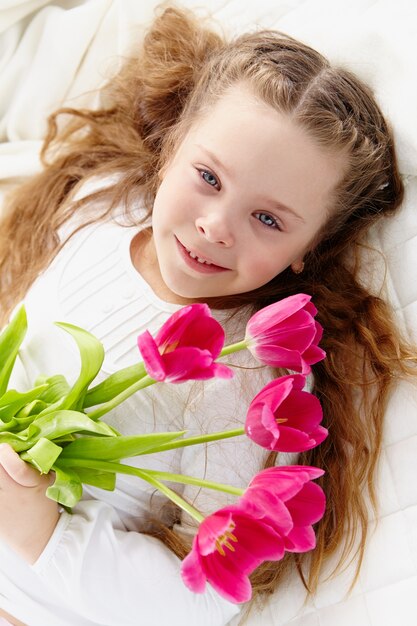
181, 69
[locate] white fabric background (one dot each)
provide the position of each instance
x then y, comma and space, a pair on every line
58, 52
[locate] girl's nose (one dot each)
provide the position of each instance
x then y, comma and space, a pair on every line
215, 229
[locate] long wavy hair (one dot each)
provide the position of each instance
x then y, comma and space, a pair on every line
180, 70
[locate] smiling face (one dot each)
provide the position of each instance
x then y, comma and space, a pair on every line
241, 200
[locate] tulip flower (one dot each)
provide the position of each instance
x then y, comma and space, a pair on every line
284, 418
185, 348
285, 334
275, 513
229, 545
285, 497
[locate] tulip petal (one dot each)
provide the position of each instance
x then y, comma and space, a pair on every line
285, 334
222, 371
307, 507
229, 582
302, 410
172, 330
185, 347
191, 326
187, 364
229, 545
313, 354
213, 527
277, 312
284, 418
263, 504
277, 356
295, 333
256, 542
151, 357
261, 427
285, 481
276, 391
300, 539
293, 440
192, 572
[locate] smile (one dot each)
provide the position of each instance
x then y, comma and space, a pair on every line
198, 262
197, 258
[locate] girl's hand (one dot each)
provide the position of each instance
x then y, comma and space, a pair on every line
27, 516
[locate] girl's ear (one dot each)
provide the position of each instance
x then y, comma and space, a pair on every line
298, 266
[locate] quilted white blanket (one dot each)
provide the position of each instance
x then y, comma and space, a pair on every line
54, 52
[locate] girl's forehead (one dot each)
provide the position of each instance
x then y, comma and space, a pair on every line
258, 152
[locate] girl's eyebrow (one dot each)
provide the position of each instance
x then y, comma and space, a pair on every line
215, 160
278, 206
273, 203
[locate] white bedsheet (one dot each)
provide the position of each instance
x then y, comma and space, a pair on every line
59, 52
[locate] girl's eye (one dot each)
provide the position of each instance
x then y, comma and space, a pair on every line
209, 178
268, 220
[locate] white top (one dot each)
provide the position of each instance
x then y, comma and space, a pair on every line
375, 39
97, 568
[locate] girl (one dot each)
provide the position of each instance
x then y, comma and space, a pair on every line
233, 173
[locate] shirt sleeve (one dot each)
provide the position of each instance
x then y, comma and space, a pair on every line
112, 576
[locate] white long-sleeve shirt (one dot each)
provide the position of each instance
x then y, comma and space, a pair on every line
98, 568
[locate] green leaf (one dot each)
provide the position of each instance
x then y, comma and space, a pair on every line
92, 356
8, 426
60, 423
18, 443
57, 387
67, 488
121, 447
114, 384
96, 478
42, 455
29, 412
10, 341
12, 401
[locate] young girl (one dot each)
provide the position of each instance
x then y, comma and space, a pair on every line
234, 173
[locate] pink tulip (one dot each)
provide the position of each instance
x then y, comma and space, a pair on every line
285, 497
284, 418
229, 545
275, 514
185, 347
285, 334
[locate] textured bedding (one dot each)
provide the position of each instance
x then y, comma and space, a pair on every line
59, 52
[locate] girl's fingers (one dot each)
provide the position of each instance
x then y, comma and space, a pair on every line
17, 469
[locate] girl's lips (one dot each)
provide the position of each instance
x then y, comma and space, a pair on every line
204, 268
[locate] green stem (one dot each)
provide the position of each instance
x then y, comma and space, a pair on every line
114, 384
111, 404
192, 441
108, 466
172, 495
191, 480
234, 347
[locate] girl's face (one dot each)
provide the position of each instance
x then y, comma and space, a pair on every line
241, 200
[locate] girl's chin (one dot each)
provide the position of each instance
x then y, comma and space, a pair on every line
187, 296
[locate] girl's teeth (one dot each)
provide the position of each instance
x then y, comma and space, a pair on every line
194, 256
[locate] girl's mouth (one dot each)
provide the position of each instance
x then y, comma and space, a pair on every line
197, 262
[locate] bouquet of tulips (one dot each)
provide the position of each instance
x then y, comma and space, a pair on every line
57, 427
